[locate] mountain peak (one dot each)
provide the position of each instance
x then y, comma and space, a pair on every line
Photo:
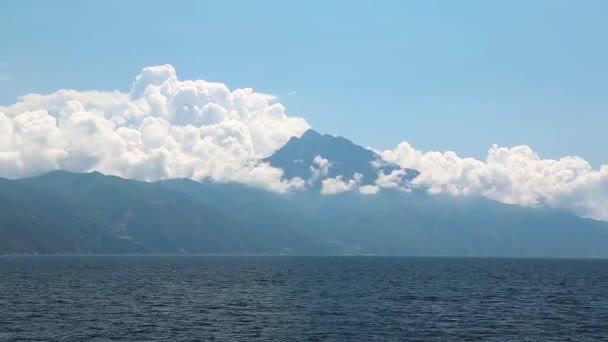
310, 134
297, 157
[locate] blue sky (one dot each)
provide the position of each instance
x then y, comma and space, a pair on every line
443, 75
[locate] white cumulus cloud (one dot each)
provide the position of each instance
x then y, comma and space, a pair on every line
163, 128
515, 175
336, 185
393, 180
369, 189
319, 169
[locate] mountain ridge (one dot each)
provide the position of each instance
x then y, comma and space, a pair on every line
185, 216
90, 213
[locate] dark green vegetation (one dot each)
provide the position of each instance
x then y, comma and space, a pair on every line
64, 212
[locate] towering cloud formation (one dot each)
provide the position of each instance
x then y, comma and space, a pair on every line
168, 128
514, 175
162, 128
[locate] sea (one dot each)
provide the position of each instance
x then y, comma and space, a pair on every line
301, 298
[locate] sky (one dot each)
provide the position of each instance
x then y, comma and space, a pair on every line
443, 75
502, 99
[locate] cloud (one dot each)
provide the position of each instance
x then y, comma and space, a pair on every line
394, 180
369, 189
515, 175
291, 93
319, 169
163, 128
336, 185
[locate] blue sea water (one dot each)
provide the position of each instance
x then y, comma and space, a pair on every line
238, 298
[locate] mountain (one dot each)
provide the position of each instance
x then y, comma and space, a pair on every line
297, 157
63, 212
106, 214
36, 221
397, 222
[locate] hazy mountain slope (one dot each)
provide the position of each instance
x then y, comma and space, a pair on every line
64, 212
395, 222
266, 219
91, 213
148, 215
418, 224
33, 220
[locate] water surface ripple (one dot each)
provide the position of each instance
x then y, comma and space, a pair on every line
206, 298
